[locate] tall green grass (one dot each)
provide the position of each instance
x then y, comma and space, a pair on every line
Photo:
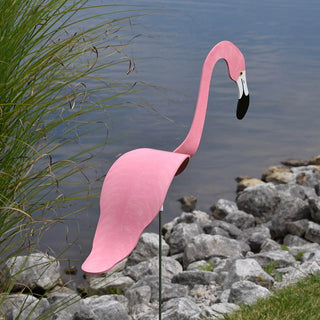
50, 53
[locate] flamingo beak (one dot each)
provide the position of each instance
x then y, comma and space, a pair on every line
243, 102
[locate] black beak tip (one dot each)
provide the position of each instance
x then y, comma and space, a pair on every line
242, 107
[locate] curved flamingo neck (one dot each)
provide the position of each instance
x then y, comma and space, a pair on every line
235, 61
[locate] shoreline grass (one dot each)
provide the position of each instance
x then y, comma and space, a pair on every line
299, 301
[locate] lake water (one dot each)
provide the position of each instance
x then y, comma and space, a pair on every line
281, 44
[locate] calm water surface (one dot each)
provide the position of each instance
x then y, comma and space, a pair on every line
281, 43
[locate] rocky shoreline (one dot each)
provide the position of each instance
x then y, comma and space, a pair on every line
266, 239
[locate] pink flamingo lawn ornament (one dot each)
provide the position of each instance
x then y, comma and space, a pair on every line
136, 185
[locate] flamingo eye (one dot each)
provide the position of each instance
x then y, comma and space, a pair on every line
241, 73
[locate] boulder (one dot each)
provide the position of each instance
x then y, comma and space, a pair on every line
245, 182
176, 309
64, 304
180, 235
195, 277
37, 272
255, 237
314, 205
270, 245
188, 203
101, 307
222, 208
23, 307
309, 247
289, 209
169, 290
307, 175
223, 228
106, 284
282, 258
247, 292
147, 248
291, 240
241, 219
297, 227
205, 246
278, 174
216, 310
247, 269
259, 200
204, 295
313, 232
170, 267
297, 273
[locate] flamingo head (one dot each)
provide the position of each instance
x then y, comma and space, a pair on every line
243, 102
237, 72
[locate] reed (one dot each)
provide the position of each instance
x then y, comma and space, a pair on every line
51, 51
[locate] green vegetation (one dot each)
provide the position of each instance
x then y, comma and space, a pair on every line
284, 247
295, 302
271, 269
50, 52
299, 255
209, 266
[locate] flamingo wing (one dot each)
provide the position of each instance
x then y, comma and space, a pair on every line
132, 195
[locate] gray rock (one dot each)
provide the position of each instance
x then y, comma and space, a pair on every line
247, 292
202, 265
289, 209
241, 219
223, 228
188, 203
106, 284
194, 277
311, 256
295, 274
204, 295
22, 307
224, 296
222, 208
101, 307
298, 227
169, 290
167, 228
255, 237
176, 309
139, 310
147, 248
138, 294
309, 247
217, 310
269, 245
307, 175
292, 241
248, 269
201, 218
315, 209
205, 246
181, 234
259, 200
65, 305
35, 271
281, 257
313, 232
170, 267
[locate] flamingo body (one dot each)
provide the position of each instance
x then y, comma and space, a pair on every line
136, 185
132, 195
